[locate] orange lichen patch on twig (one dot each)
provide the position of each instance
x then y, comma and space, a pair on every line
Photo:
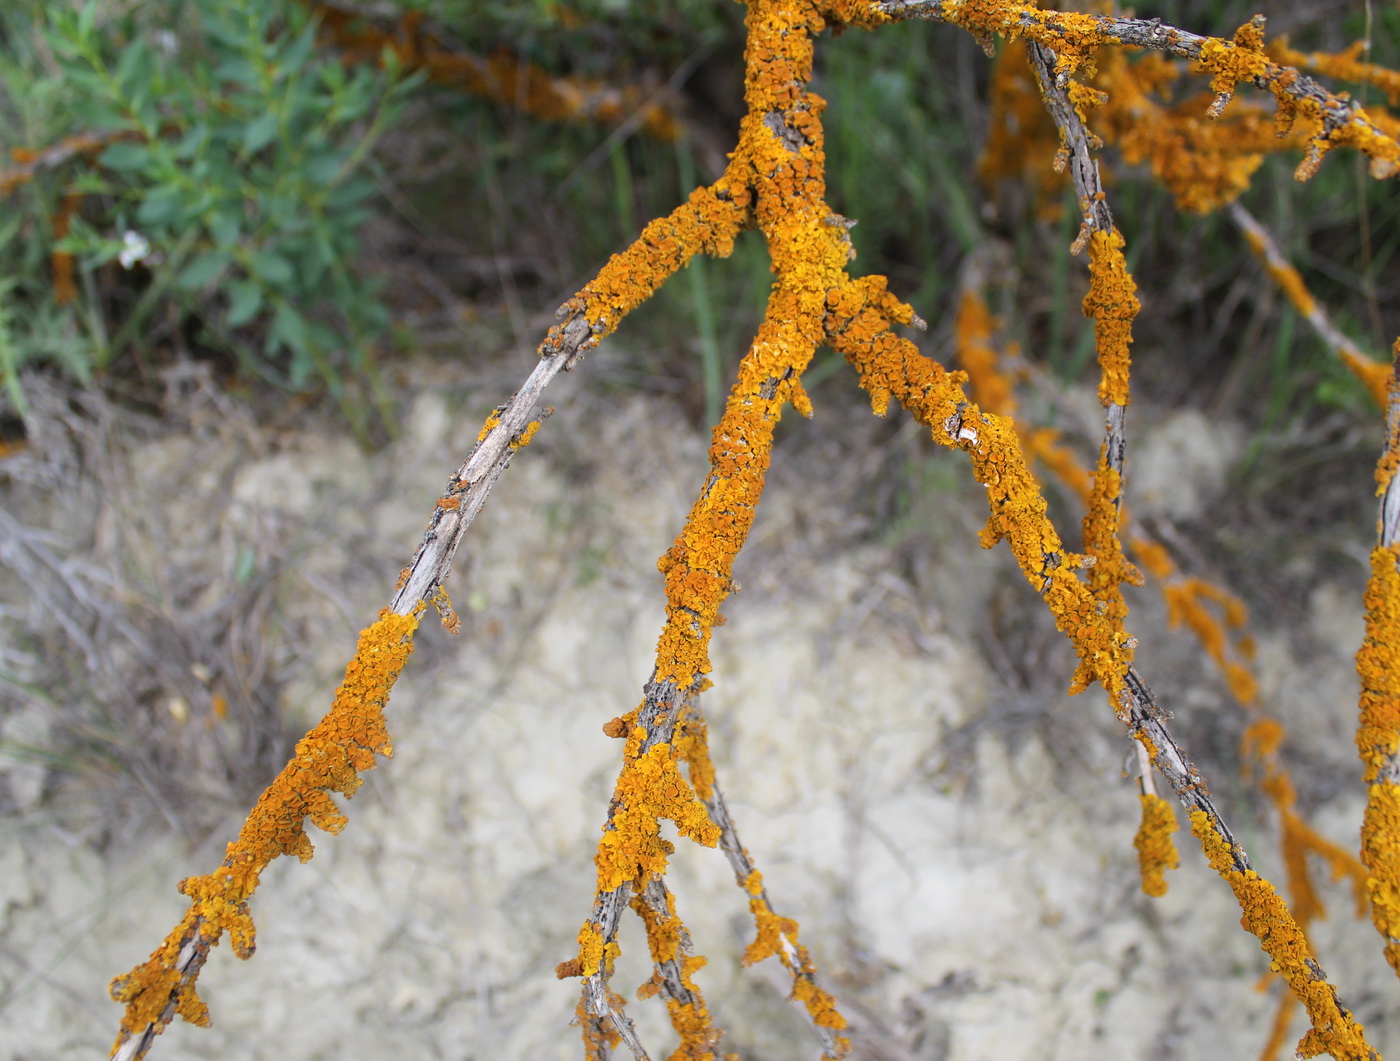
674, 966
1156, 851
1020, 135
1378, 729
775, 178
776, 935
1186, 605
501, 76
1346, 65
1331, 120
1333, 1030
890, 367
1112, 305
328, 759
649, 789
773, 935
64, 289
707, 222
1204, 161
1194, 603
1374, 375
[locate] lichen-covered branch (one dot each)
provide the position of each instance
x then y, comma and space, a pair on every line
1112, 304
1075, 37
774, 935
891, 367
1378, 665
1373, 374
501, 77
328, 759
164, 985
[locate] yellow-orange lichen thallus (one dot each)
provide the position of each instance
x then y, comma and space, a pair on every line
328, 759
1378, 732
777, 174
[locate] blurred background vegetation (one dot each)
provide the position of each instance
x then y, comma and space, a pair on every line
261, 187
222, 212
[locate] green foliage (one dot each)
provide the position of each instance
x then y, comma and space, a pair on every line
238, 183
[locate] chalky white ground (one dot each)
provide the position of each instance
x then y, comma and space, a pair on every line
989, 911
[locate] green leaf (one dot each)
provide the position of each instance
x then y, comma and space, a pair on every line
125, 156
162, 206
323, 168
244, 302
190, 144
289, 329
271, 268
239, 71
260, 132
136, 73
224, 225
202, 270
299, 50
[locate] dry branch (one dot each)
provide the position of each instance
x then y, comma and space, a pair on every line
775, 181
1378, 665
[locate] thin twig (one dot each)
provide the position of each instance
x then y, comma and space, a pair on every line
1074, 35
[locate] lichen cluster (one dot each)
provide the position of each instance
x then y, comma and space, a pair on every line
1378, 730
775, 183
500, 76
329, 759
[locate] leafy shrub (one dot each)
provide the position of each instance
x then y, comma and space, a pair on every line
227, 173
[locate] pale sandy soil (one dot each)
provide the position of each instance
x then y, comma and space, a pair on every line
952, 832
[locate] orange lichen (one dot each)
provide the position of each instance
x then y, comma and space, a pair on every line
501, 76
1112, 304
1185, 606
1374, 375
328, 759
451, 621
64, 288
649, 789
1378, 742
1287, 277
1346, 65
1156, 852
674, 966
1333, 1030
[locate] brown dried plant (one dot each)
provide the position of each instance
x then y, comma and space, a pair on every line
775, 183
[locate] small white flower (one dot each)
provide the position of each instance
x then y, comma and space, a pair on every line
167, 42
135, 248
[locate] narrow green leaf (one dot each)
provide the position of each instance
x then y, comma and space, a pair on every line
202, 270
125, 156
245, 300
271, 268
260, 132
